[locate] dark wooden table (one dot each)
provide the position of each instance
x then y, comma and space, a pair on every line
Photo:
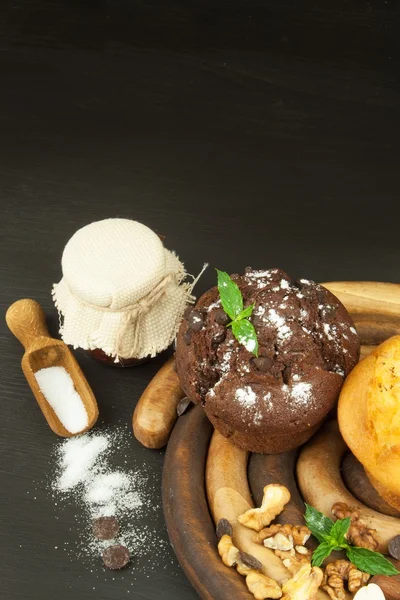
263, 134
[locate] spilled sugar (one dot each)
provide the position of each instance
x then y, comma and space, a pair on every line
77, 456
84, 476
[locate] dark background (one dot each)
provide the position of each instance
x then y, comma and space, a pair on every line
262, 134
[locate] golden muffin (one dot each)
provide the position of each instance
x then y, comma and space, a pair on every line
369, 417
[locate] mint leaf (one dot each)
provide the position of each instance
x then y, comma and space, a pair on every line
246, 335
321, 553
370, 561
247, 312
332, 537
339, 530
230, 294
232, 303
319, 525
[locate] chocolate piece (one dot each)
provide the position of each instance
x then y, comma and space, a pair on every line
187, 312
203, 390
286, 373
276, 402
218, 338
116, 557
224, 528
105, 528
250, 561
221, 317
262, 363
182, 406
195, 320
188, 337
394, 547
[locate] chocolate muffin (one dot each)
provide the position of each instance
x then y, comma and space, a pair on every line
276, 401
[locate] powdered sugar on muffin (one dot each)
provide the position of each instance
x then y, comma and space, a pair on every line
307, 344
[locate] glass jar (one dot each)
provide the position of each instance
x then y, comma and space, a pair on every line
104, 358
122, 293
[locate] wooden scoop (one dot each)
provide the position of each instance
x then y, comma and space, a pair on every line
26, 320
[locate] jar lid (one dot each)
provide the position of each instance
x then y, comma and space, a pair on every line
121, 290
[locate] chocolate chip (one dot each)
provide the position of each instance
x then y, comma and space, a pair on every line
218, 338
394, 547
105, 528
187, 337
182, 406
203, 391
250, 561
116, 557
221, 317
195, 320
187, 312
262, 363
286, 374
224, 528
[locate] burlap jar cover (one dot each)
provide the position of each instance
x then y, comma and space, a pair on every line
121, 290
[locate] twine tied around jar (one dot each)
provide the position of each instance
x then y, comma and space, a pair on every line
132, 315
131, 322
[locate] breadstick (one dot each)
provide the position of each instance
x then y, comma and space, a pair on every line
374, 307
321, 484
155, 413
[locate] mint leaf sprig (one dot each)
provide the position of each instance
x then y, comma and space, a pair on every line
232, 303
332, 536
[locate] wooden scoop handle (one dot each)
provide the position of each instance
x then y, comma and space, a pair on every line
27, 321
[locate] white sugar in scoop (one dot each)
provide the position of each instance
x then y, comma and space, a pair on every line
55, 377
58, 388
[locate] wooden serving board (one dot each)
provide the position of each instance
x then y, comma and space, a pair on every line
187, 514
190, 527
204, 475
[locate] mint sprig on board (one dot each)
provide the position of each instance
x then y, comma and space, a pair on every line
232, 303
332, 536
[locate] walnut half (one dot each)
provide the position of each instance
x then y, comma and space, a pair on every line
283, 537
228, 551
261, 586
274, 499
358, 534
304, 584
293, 561
336, 573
